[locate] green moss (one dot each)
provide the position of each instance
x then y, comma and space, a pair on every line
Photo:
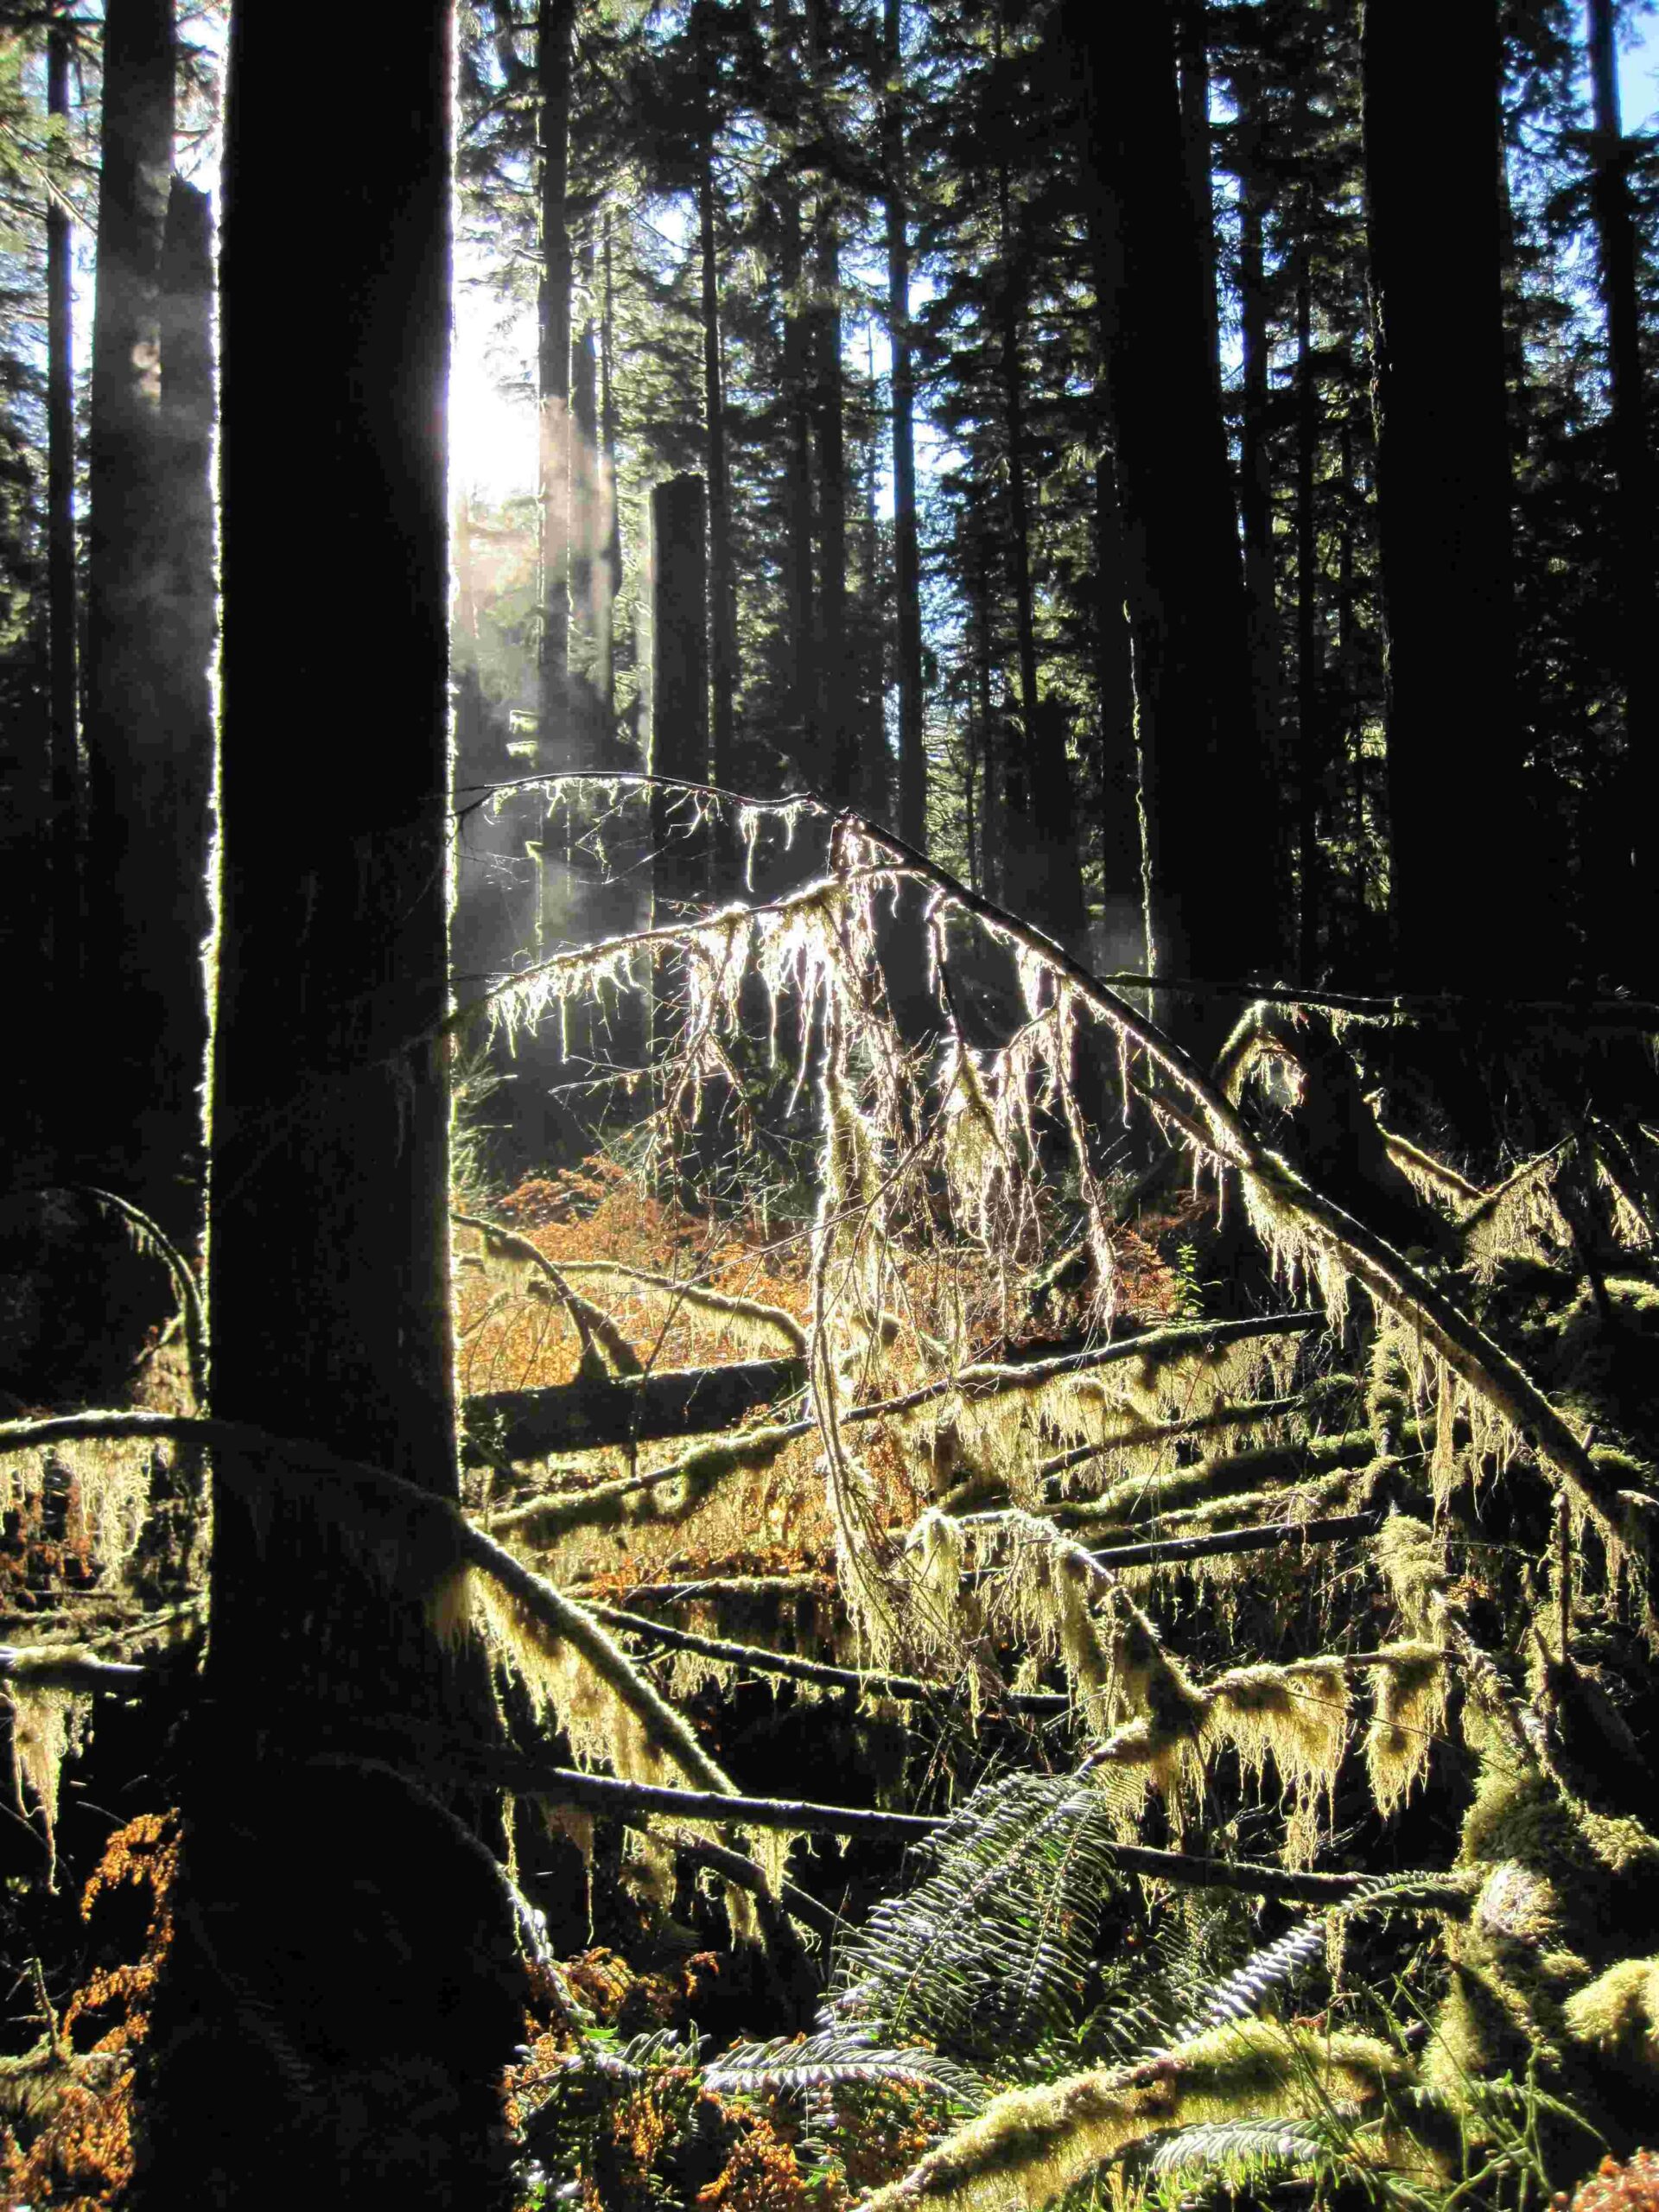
1616, 2016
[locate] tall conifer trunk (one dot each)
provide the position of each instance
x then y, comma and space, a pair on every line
555, 22
1310, 735
1208, 826
837, 725
1462, 848
1626, 854
341, 1993
722, 641
62, 595
150, 1016
912, 750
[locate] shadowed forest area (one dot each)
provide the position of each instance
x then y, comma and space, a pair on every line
828, 1238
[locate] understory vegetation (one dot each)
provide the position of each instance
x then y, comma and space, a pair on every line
1154, 1538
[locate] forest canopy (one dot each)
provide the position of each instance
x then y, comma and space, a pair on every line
827, 1260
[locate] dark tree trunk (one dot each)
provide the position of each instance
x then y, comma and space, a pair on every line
143, 967
1040, 855
801, 689
912, 749
554, 24
1626, 855
1461, 847
63, 679
1310, 735
1207, 815
837, 725
609, 576
590, 733
188, 620
722, 654
1193, 66
679, 676
1255, 455
341, 1993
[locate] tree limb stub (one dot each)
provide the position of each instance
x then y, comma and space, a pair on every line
582, 1416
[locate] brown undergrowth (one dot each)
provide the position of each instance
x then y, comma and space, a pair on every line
81, 2158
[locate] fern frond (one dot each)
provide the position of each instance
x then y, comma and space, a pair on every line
1235, 2148
835, 2056
996, 1945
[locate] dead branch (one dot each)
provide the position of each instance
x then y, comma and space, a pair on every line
583, 1415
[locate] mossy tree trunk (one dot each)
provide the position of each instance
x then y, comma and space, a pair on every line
61, 591
341, 1993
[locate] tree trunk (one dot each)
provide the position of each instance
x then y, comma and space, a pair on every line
1192, 69
187, 622
722, 655
609, 576
912, 749
61, 594
555, 23
342, 1994
589, 732
1208, 830
679, 678
1042, 878
1459, 846
1255, 456
143, 967
1625, 852
1310, 736
837, 726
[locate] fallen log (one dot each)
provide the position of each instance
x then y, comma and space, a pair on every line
581, 1416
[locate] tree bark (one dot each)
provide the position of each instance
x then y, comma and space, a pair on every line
1192, 70
1460, 846
62, 595
722, 655
150, 1017
342, 1992
1310, 735
679, 678
837, 729
1208, 829
609, 576
912, 749
1256, 455
554, 25
1625, 847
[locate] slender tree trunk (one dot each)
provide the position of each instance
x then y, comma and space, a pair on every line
189, 619
1208, 825
341, 1993
151, 1019
1255, 455
1310, 735
1459, 830
801, 689
62, 593
555, 25
590, 733
1193, 66
912, 749
609, 576
837, 727
679, 667
1042, 878
1114, 681
1628, 853
722, 655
